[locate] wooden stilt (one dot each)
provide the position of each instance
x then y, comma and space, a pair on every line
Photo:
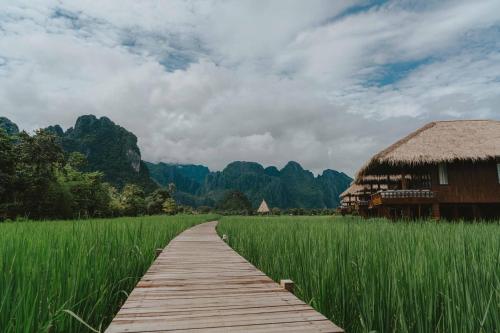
436, 214
475, 212
455, 212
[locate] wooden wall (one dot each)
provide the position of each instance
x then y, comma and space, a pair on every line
468, 183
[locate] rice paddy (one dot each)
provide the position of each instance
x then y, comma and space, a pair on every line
72, 276
378, 276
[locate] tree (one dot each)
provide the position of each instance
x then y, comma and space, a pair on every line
132, 199
204, 209
7, 172
276, 211
89, 195
170, 207
77, 161
235, 202
37, 159
155, 201
115, 207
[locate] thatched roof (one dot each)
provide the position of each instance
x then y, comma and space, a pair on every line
357, 189
263, 208
440, 141
354, 190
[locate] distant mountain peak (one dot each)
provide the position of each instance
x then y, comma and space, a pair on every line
8, 126
244, 166
292, 165
109, 148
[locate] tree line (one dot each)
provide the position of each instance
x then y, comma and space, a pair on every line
38, 180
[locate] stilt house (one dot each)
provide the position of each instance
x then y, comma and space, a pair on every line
447, 169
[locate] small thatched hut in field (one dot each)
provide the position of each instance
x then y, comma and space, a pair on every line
263, 208
446, 168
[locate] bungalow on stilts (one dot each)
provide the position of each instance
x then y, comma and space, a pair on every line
446, 169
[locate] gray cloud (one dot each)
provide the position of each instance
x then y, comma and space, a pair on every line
215, 81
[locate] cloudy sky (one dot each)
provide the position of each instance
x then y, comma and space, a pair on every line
325, 83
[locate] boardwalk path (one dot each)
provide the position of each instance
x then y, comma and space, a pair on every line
199, 284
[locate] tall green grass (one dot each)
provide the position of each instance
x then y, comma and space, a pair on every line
381, 276
49, 270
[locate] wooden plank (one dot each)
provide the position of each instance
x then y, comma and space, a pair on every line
199, 284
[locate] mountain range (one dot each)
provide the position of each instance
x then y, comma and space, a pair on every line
113, 150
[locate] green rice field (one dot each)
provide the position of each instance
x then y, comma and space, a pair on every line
54, 274
380, 276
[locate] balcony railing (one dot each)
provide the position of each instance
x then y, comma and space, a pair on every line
389, 194
380, 198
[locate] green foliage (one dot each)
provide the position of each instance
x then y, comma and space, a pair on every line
132, 200
77, 161
116, 207
169, 206
87, 267
7, 171
204, 209
154, 201
89, 196
378, 276
234, 202
37, 159
275, 211
38, 181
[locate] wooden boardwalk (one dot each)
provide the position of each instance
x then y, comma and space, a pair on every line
199, 284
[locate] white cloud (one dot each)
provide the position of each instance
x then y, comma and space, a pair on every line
215, 81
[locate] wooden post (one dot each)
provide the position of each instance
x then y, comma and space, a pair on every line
224, 238
288, 285
475, 212
436, 214
158, 252
456, 215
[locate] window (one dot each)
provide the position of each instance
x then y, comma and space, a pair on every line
443, 174
498, 172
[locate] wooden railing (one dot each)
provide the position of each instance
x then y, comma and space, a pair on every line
406, 194
378, 198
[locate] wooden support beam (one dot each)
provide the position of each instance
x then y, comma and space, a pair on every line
476, 212
455, 212
436, 214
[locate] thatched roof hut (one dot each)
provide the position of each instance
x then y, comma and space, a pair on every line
437, 142
263, 208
